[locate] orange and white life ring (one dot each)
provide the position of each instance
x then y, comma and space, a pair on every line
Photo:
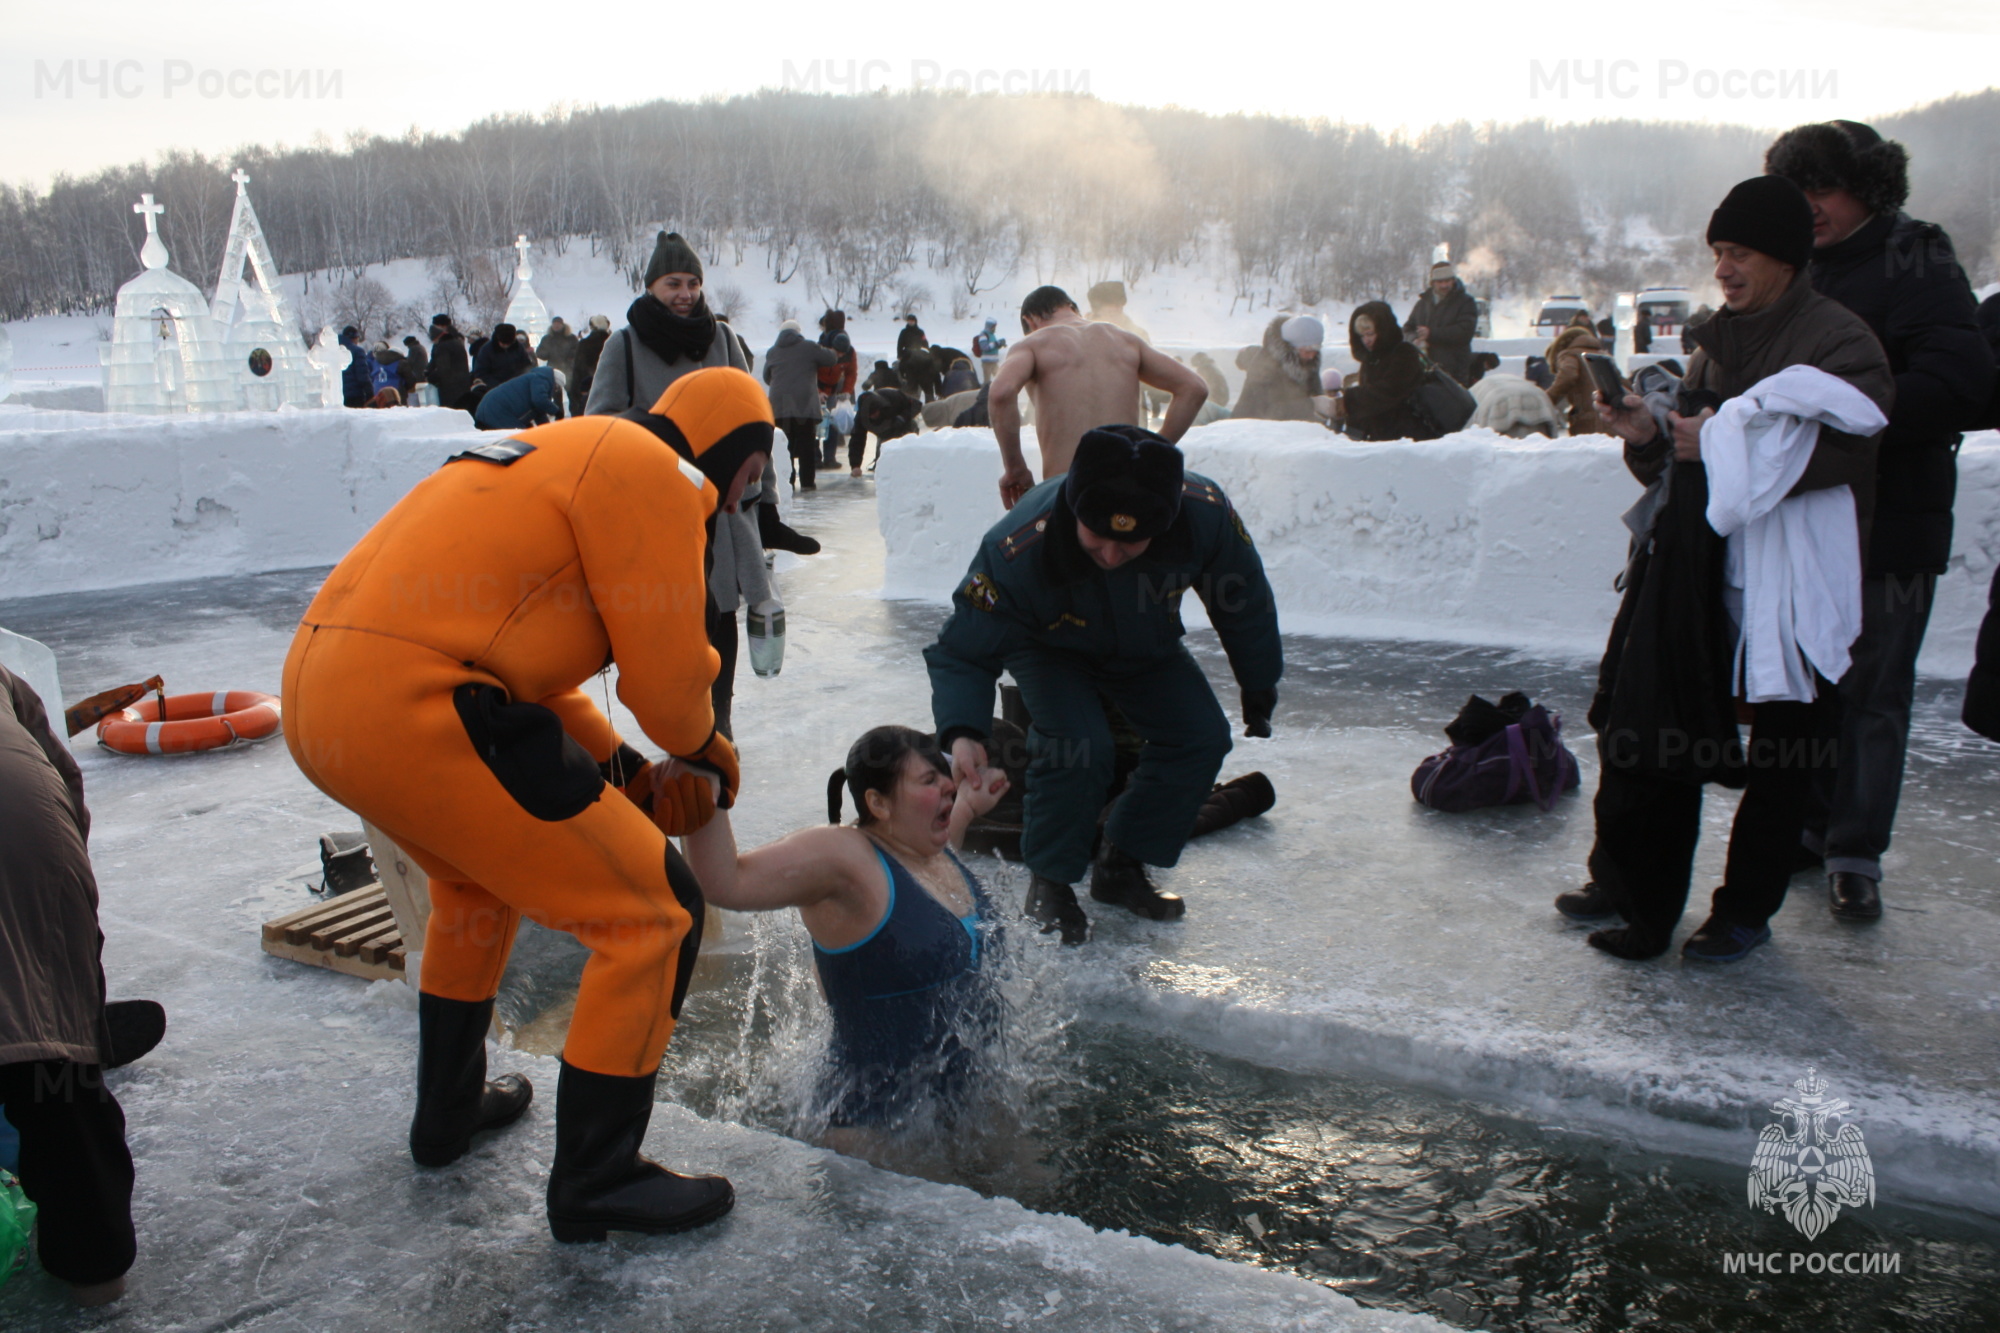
193, 722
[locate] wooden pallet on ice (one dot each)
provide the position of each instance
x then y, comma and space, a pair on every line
355, 933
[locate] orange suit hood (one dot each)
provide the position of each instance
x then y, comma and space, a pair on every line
715, 418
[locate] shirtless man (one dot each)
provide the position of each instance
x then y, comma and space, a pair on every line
1079, 375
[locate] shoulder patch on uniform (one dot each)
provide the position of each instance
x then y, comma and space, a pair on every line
1194, 488
980, 591
1241, 531
1023, 537
503, 452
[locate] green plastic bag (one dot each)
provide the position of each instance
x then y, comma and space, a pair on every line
17, 1220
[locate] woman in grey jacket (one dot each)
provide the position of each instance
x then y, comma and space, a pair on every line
669, 332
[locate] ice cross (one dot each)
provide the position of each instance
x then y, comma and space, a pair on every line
521, 265
153, 254
241, 177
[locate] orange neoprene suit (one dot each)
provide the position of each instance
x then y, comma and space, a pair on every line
526, 569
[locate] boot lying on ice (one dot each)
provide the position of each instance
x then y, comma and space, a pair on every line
135, 1027
600, 1183
1239, 798
1120, 880
454, 1100
1054, 905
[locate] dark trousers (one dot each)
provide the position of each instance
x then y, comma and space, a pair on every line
1647, 828
722, 638
1073, 758
799, 432
1855, 804
75, 1166
830, 450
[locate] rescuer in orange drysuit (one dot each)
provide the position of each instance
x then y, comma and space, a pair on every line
433, 688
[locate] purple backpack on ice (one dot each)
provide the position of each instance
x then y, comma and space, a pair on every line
1501, 754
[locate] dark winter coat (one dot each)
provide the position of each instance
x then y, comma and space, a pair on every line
1664, 686
1982, 688
886, 414
908, 337
496, 364
962, 379
51, 986
524, 401
1032, 593
584, 365
1378, 404
882, 377
558, 348
419, 364
451, 371
1801, 328
1277, 384
791, 370
355, 387
1902, 277
1451, 320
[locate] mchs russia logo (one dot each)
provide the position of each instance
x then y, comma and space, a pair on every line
1811, 1162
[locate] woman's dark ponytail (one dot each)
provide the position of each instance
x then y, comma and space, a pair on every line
875, 763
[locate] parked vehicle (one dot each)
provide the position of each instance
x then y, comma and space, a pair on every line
1667, 308
1557, 312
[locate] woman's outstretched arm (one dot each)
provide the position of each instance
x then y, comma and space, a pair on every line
980, 792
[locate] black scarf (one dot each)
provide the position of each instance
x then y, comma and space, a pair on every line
669, 336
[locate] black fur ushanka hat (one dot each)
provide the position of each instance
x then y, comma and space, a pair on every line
1846, 154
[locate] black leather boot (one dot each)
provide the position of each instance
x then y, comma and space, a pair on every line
1054, 905
454, 1100
600, 1183
1118, 879
1853, 896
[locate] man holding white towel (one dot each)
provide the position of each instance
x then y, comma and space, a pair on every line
1648, 804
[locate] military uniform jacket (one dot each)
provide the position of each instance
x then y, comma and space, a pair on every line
1033, 589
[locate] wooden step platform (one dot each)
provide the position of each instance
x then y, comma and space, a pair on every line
355, 933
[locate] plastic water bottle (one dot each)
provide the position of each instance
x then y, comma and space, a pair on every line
765, 626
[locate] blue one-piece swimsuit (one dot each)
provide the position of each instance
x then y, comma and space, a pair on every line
910, 1005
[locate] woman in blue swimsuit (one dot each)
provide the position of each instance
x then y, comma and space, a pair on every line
900, 929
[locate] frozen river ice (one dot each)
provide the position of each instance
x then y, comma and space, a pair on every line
1347, 953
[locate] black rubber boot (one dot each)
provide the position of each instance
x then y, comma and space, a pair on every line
1118, 879
454, 1100
776, 536
136, 1027
1055, 906
600, 1183
1237, 799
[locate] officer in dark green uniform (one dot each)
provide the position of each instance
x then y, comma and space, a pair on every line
1077, 592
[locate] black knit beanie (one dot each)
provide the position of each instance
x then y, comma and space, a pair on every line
1770, 215
1124, 483
671, 254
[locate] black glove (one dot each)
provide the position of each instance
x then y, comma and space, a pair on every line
1258, 705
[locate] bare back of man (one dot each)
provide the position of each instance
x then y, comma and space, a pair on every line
1079, 375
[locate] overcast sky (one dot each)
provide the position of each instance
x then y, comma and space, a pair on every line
208, 75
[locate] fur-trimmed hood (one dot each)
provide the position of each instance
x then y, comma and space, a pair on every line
1388, 333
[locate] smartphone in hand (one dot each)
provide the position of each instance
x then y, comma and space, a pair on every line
1604, 373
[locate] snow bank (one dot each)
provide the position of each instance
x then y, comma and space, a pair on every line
103, 501
1473, 538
